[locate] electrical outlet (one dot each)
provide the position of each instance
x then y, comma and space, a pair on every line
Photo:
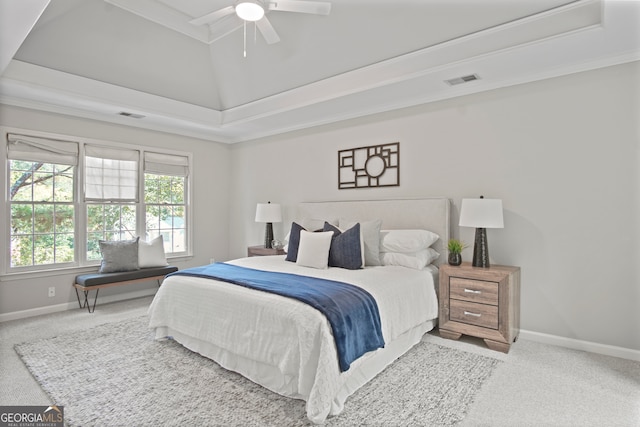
52, 291
212, 260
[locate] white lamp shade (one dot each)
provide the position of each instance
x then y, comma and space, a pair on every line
268, 212
481, 213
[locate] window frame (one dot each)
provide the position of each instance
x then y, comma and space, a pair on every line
35, 233
166, 205
80, 206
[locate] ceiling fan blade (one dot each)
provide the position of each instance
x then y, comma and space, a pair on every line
223, 27
267, 30
213, 16
314, 7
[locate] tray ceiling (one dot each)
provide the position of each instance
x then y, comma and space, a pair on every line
99, 58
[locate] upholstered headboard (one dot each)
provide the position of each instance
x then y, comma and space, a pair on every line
429, 214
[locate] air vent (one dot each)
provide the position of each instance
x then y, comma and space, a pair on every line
132, 115
463, 79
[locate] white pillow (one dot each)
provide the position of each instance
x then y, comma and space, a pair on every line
311, 224
313, 250
370, 232
406, 241
151, 254
417, 260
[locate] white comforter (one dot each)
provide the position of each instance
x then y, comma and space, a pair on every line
281, 343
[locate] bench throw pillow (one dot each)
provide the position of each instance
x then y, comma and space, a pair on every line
151, 253
117, 256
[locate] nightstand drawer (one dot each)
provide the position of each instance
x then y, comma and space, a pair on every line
474, 314
474, 290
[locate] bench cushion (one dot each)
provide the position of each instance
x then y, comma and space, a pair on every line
94, 279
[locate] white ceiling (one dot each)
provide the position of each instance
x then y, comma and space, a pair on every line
97, 58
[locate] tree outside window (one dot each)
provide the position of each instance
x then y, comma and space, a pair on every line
109, 222
42, 213
164, 198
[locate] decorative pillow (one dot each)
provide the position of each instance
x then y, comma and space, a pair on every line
316, 224
293, 242
151, 254
309, 224
371, 236
346, 247
313, 250
121, 255
406, 241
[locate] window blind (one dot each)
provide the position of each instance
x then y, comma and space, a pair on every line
166, 164
45, 150
111, 174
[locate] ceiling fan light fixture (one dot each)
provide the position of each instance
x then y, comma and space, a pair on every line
249, 11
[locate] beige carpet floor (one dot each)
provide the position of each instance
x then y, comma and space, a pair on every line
536, 385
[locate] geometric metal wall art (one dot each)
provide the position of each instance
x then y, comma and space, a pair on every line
372, 166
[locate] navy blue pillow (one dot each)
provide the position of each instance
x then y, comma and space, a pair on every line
345, 250
294, 242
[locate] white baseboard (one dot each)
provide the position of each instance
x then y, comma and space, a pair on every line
23, 314
592, 347
608, 350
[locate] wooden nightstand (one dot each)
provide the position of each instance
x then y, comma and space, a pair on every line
262, 251
481, 302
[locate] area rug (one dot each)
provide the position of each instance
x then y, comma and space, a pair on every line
117, 375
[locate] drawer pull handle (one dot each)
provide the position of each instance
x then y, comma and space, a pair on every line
471, 291
468, 313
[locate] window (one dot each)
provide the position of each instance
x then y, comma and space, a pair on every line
109, 222
64, 197
165, 199
42, 202
111, 195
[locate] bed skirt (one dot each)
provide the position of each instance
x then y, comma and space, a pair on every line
362, 370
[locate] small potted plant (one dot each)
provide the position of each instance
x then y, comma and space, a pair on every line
455, 248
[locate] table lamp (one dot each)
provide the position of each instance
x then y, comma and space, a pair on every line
269, 213
482, 214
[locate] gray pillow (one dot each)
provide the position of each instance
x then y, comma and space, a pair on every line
119, 256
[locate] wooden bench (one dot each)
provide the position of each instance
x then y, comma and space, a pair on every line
97, 281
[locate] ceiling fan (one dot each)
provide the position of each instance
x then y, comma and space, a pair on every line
228, 19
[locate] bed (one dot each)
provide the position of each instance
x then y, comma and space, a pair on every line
288, 346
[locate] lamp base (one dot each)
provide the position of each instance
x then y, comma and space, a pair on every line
268, 235
481, 249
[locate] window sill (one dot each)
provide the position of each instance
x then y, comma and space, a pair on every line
75, 270
34, 274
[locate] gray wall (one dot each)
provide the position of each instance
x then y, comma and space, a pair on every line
209, 192
563, 154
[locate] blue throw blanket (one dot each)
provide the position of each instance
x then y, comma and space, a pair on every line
352, 312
